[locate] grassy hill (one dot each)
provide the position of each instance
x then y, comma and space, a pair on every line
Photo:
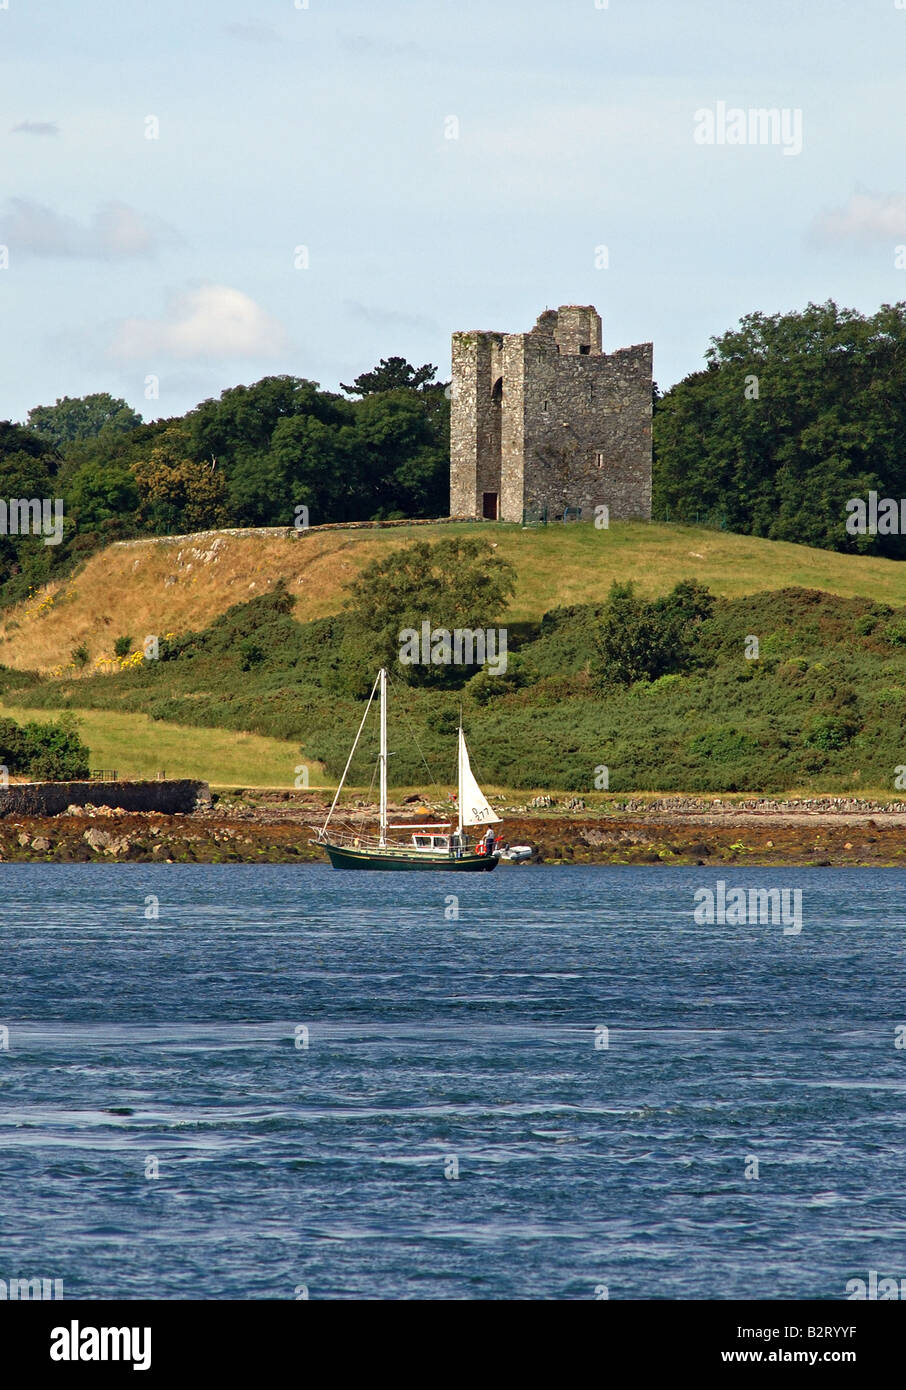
823, 708
177, 584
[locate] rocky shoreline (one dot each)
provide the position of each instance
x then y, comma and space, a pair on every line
277, 828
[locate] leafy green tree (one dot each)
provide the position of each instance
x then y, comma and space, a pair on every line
175, 491
281, 443
23, 475
631, 644
391, 374
243, 419
311, 463
403, 422
406, 464
82, 417
18, 440
109, 449
794, 415
47, 752
12, 747
29, 468
99, 492
455, 583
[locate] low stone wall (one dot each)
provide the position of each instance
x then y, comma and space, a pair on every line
52, 798
289, 532
763, 806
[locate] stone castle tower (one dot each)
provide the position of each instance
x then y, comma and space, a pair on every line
546, 420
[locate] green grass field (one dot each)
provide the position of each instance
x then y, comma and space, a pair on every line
159, 586
140, 747
559, 565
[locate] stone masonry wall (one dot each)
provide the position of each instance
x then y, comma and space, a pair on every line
595, 406
51, 798
474, 421
548, 421
512, 451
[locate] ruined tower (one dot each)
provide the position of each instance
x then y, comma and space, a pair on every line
546, 420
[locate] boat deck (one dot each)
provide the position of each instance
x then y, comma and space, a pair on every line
348, 850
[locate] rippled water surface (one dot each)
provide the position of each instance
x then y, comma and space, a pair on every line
439, 1045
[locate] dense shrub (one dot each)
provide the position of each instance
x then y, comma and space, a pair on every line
639, 639
12, 747
45, 752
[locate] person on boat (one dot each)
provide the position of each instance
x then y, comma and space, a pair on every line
489, 840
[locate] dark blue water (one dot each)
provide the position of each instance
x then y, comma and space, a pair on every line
438, 1044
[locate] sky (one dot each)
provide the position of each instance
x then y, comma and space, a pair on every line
197, 194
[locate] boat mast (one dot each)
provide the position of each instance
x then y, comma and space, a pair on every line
459, 776
383, 757
349, 759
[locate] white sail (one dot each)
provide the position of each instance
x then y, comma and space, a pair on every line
473, 805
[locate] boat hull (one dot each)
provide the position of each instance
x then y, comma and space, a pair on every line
342, 857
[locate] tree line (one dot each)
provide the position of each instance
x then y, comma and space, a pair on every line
793, 416
254, 456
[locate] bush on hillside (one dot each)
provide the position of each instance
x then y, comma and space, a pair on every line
642, 640
456, 583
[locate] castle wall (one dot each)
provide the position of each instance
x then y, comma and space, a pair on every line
545, 419
513, 432
596, 406
475, 421
578, 330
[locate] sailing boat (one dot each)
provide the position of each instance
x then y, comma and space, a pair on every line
429, 846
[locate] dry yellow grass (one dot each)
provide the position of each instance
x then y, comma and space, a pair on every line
176, 584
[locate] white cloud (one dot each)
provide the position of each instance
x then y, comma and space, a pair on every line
866, 217
214, 321
116, 232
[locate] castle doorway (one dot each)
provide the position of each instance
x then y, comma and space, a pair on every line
489, 506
